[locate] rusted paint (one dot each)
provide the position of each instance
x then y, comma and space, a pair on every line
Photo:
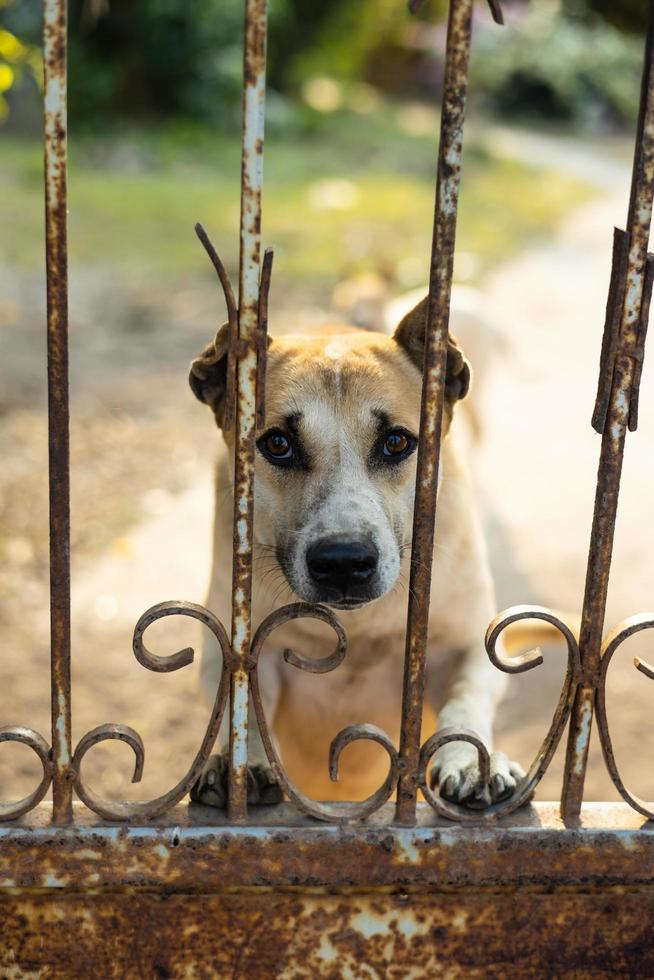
254, 82
529, 897
56, 244
448, 180
262, 338
196, 849
615, 412
364, 937
638, 352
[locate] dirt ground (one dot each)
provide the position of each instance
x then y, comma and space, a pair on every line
142, 452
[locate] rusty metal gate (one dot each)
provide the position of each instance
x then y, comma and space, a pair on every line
369, 889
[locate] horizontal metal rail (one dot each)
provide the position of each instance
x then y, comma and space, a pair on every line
182, 896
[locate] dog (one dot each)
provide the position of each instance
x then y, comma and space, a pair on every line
335, 479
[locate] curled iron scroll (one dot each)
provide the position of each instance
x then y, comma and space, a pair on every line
343, 813
613, 640
510, 665
146, 810
36, 742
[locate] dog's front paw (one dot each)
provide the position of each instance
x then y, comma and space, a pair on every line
212, 787
459, 778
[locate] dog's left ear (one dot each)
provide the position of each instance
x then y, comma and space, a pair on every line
410, 335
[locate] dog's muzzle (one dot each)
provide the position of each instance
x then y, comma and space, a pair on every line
343, 571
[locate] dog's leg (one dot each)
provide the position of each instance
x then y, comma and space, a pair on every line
474, 692
212, 786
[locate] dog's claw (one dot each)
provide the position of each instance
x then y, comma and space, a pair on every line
449, 788
263, 788
459, 780
212, 787
498, 787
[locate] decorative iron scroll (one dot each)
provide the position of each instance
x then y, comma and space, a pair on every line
353, 733
36, 742
513, 665
148, 809
152, 808
627, 628
616, 411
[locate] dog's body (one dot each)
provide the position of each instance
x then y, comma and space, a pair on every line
333, 524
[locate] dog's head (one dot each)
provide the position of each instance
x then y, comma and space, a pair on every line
336, 462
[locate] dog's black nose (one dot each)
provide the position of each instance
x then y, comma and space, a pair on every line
342, 565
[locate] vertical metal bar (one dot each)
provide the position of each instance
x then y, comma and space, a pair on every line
433, 389
254, 89
54, 51
618, 417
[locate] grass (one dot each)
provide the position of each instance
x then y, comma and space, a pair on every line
348, 195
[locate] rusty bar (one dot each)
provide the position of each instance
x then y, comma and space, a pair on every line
611, 333
285, 896
56, 244
622, 400
433, 388
639, 352
195, 850
312, 933
262, 337
254, 90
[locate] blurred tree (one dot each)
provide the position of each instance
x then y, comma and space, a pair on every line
160, 57
156, 58
627, 15
562, 62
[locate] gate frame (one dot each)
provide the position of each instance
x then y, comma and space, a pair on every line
433, 886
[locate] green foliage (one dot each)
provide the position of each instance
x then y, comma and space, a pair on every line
163, 58
563, 68
156, 57
355, 35
17, 59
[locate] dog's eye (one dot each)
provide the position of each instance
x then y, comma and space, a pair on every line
398, 444
276, 446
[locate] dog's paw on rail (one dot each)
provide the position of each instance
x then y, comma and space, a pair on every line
460, 778
212, 786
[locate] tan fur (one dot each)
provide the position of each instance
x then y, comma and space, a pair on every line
336, 378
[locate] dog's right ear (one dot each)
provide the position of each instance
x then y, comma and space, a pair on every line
208, 375
410, 335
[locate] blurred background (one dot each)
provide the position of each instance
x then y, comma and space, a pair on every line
352, 122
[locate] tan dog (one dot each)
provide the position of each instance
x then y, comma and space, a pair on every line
335, 477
